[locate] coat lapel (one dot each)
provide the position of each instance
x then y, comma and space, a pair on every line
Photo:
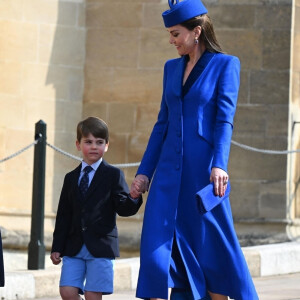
178, 77
197, 71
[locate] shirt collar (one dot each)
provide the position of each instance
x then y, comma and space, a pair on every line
94, 165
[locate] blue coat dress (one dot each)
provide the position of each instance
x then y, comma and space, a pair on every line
180, 246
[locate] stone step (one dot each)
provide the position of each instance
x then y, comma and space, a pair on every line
265, 260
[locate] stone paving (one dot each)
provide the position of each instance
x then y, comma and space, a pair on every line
275, 270
283, 287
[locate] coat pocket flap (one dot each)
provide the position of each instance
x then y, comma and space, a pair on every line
205, 132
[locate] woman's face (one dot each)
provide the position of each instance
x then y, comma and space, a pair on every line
183, 39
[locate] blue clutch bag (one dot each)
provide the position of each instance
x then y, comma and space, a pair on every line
207, 200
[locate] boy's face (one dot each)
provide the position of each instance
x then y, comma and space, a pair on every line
92, 148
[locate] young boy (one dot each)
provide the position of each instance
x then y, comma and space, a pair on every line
85, 233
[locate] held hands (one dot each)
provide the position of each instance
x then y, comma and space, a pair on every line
220, 179
139, 185
55, 257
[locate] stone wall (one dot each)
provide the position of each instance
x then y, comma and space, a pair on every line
63, 60
124, 62
126, 47
259, 33
293, 199
42, 55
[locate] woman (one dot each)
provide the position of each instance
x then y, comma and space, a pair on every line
187, 244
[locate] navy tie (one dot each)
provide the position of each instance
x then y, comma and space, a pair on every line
84, 182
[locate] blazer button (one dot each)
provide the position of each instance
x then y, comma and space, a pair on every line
177, 167
178, 133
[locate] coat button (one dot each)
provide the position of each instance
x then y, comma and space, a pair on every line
177, 167
178, 133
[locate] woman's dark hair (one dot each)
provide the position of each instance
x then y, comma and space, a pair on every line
208, 36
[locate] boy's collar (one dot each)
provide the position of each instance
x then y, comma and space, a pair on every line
94, 165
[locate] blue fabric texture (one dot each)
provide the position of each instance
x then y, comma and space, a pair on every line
192, 134
88, 273
182, 11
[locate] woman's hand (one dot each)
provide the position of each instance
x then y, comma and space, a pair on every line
220, 179
135, 189
139, 185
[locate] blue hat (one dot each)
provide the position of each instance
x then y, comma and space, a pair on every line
182, 11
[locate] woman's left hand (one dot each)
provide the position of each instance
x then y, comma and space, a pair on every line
220, 179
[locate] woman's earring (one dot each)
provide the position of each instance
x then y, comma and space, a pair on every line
196, 41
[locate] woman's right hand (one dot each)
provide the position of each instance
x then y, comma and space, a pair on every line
220, 179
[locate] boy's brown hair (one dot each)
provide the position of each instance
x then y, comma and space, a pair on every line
92, 125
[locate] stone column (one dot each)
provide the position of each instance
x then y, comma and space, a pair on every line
293, 176
42, 53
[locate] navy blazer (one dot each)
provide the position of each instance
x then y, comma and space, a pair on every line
92, 221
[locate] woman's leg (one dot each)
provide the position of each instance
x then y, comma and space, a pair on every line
217, 296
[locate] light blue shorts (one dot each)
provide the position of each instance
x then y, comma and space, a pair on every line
88, 273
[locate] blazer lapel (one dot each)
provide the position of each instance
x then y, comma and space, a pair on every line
99, 177
75, 178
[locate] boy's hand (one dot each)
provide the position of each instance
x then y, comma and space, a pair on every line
135, 189
55, 257
139, 185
